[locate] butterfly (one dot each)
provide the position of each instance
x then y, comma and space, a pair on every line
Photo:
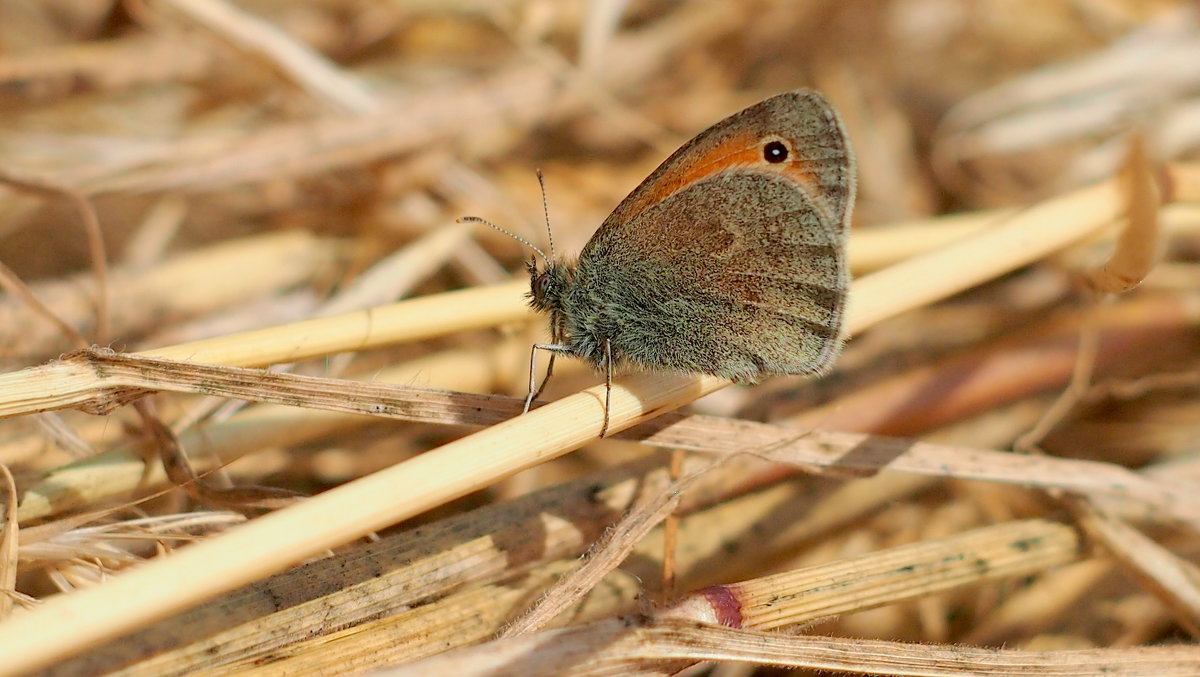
729, 259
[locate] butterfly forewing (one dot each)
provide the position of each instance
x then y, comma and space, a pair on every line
821, 162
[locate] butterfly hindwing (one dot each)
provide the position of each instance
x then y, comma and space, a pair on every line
736, 275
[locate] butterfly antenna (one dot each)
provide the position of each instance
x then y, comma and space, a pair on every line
518, 238
546, 210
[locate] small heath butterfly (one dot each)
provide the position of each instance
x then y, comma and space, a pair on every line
729, 259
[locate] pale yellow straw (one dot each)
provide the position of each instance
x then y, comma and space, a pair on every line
69, 623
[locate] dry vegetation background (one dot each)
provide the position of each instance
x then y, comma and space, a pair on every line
255, 164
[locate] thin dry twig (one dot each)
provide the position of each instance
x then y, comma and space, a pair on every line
1140, 243
1077, 387
13, 284
1132, 388
608, 553
9, 545
1174, 581
179, 470
671, 531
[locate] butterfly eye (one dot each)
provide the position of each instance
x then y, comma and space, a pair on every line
775, 152
543, 284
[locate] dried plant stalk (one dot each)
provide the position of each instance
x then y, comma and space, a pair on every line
282, 538
410, 320
1140, 243
116, 473
464, 96
468, 617
130, 376
193, 283
398, 572
898, 574
848, 585
9, 543
626, 646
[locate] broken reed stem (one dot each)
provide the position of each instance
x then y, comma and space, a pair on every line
885, 577
70, 623
1140, 243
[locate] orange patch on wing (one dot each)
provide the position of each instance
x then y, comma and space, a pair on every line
740, 151
737, 151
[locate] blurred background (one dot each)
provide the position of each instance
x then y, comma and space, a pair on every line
252, 160
423, 111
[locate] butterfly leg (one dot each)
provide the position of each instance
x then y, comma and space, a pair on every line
608, 367
554, 350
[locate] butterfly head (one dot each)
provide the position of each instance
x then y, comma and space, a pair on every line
547, 285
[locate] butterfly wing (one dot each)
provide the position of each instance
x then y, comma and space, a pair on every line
726, 263
821, 162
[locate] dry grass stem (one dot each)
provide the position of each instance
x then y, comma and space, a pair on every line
625, 646
9, 545
125, 377
868, 581
292, 309
410, 320
398, 572
457, 620
284, 537
198, 282
1175, 581
1140, 243
1034, 233
119, 471
618, 541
